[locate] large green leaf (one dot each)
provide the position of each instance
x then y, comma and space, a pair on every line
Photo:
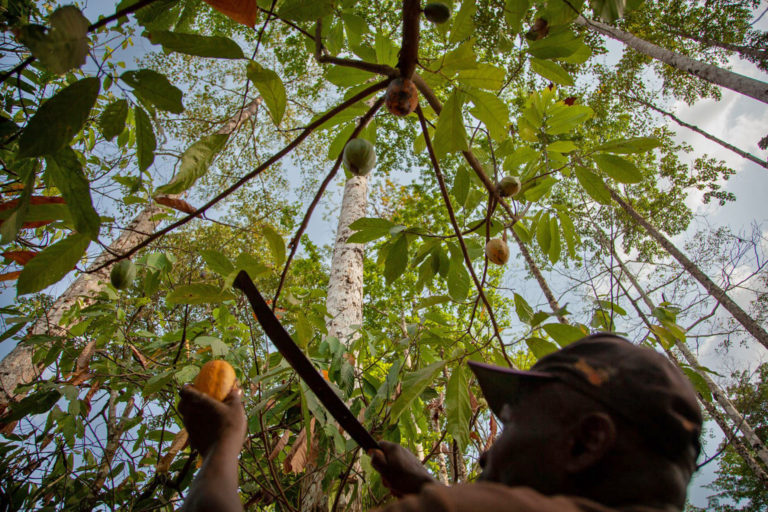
551, 71
276, 243
217, 262
194, 163
216, 47
463, 23
618, 168
397, 258
64, 46
198, 293
458, 411
540, 347
342, 76
461, 186
413, 385
450, 135
484, 76
59, 119
514, 14
112, 120
386, 50
564, 334
270, 87
368, 229
544, 233
305, 10
523, 309
569, 231
608, 10
564, 118
52, 264
593, 185
493, 112
66, 172
554, 247
155, 88
145, 138
557, 45
458, 278
633, 145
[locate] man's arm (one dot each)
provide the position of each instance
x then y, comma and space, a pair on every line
217, 430
401, 472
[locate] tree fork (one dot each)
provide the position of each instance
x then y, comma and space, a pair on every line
718, 293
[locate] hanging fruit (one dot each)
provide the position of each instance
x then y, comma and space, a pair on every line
497, 251
122, 274
216, 379
402, 97
359, 157
509, 186
437, 12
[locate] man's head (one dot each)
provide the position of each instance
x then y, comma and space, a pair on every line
601, 418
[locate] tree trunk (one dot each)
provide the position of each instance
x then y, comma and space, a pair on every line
751, 53
715, 291
713, 74
752, 439
344, 304
740, 152
17, 367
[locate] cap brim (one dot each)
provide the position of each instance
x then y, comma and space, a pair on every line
501, 385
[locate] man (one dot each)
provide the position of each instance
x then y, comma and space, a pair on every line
601, 425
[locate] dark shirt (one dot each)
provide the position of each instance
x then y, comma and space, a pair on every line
492, 497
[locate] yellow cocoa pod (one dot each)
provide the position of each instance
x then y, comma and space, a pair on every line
216, 379
497, 251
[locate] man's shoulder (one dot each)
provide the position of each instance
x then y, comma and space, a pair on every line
487, 497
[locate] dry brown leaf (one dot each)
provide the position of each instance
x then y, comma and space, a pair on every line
79, 377
89, 395
301, 452
492, 435
20, 257
242, 11
138, 355
473, 402
178, 444
176, 204
10, 276
33, 200
280, 445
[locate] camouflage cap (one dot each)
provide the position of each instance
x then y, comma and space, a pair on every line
636, 382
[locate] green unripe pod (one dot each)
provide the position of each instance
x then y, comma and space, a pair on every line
359, 157
123, 274
437, 12
509, 186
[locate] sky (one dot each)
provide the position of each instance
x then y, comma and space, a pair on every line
735, 118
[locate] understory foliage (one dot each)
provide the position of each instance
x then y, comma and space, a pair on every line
219, 124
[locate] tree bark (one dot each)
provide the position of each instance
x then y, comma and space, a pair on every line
17, 367
713, 74
715, 291
740, 152
752, 439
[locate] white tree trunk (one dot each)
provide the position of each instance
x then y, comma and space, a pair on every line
17, 367
716, 75
715, 291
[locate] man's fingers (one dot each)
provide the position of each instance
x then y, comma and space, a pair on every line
378, 459
235, 395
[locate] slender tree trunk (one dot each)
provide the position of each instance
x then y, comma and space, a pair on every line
713, 74
17, 367
752, 439
715, 291
740, 152
344, 304
751, 53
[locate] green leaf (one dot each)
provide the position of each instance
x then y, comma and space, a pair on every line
156, 383
458, 278
450, 135
155, 88
196, 293
355, 27
64, 46
187, 374
554, 246
342, 76
564, 334
52, 264
580, 56
493, 112
112, 120
432, 301
551, 71
462, 57
562, 146
413, 384
565, 118
20, 213
556, 45
523, 309
276, 243
368, 229
145, 138
59, 119
67, 174
544, 233
593, 185
608, 10
699, 383
216, 47
633, 145
37, 403
195, 163
514, 14
461, 185
305, 10
540, 347
340, 141
458, 411
217, 262
484, 76
270, 87
463, 23
218, 347
386, 51
397, 259
618, 168
11, 332
571, 239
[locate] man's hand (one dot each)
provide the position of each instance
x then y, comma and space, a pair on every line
401, 472
210, 422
